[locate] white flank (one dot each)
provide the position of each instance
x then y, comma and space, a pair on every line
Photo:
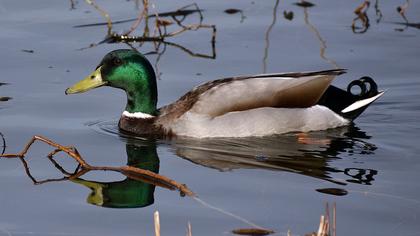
139, 115
361, 103
257, 122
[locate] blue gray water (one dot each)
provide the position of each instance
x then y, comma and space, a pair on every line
271, 181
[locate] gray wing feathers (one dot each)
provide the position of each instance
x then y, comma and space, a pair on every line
287, 90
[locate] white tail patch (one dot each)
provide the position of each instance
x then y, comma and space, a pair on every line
362, 103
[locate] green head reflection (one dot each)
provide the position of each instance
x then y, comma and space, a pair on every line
128, 193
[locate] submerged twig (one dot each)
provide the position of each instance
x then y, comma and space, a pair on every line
83, 168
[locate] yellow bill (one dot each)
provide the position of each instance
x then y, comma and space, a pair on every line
92, 81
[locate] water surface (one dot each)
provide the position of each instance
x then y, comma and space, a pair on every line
271, 181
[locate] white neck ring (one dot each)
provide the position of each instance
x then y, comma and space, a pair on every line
139, 115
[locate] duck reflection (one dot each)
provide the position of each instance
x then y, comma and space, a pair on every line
307, 154
310, 154
128, 193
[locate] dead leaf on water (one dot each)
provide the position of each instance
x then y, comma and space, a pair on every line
252, 231
333, 191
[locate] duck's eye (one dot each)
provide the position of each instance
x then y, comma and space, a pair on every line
117, 61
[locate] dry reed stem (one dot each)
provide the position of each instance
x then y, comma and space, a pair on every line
157, 223
189, 230
334, 225
83, 167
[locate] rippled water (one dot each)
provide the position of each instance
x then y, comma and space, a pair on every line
280, 182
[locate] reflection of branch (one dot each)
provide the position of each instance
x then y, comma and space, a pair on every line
72, 4
322, 42
401, 10
83, 168
267, 36
176, 13
191, 53
378, 12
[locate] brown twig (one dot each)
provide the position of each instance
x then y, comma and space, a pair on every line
361, 12
160, 32
83, 168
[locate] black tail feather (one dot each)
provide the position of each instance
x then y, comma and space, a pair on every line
337, 99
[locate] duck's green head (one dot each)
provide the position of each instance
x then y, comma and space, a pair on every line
128, 70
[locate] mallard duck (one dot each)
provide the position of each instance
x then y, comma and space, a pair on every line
242, 106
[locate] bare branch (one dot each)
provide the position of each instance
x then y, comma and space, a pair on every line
83, 168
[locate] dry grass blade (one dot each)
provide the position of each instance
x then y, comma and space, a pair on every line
157, 223
189, 230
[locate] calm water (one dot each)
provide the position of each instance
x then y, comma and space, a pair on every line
271, 182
